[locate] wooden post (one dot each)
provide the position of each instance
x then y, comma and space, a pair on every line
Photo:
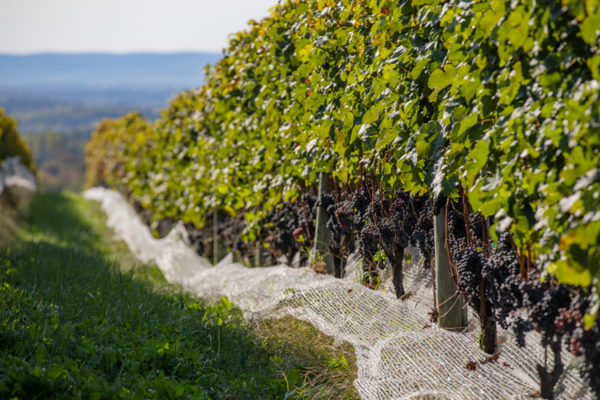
488, 323
452, 313
322, 234
260, 256
219, 249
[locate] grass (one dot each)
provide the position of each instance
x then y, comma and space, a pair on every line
8, 224
317, 366
11, 210
74, 323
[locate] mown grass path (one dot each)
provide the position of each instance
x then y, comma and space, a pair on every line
76, 324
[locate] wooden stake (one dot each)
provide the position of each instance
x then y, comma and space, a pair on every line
219, 249
322, 234
260, 255
452, 313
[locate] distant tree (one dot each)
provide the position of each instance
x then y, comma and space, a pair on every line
11, 144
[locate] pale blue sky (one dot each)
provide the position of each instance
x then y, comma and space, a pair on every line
28, 26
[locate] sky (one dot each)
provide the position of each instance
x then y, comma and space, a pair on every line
119, 26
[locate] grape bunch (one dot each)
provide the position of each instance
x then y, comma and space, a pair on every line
526, 303
325, 200
307, 212
360, 202
420, 229
230, 229
369, 246
342, 227
341, 220
469, 264
289, 228
200, 239
439, 202
504, 287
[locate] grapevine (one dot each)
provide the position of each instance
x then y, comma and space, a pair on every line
493, 106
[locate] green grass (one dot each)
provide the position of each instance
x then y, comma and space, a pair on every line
10, 216
325, 368
74, 323
8, 226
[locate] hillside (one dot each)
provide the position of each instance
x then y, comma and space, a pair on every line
72, 92
58, 99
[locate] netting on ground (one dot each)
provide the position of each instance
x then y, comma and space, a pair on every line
400, 353
14, 174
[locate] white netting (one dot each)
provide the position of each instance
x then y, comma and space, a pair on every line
14, 174
400, 353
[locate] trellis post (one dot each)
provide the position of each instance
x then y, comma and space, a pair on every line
260, 255
219, 249
452, 313
322, 234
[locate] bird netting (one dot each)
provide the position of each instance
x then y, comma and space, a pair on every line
400, 353
14, 174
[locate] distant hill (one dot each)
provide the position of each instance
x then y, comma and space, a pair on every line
37, 116
58, 99
71, 92
104, 71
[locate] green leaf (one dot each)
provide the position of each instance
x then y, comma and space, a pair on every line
424, 2
439, 78
589, 321
419, 67
569, 274
467, 122
477, 158
590, 29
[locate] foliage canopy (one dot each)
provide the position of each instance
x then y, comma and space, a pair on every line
498, 98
